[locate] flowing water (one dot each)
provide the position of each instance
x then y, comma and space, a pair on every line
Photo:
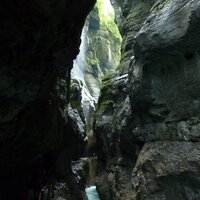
92, 193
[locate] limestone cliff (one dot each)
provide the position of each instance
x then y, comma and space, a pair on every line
131, 16
149, 137
99, 55
100, 48
147, 123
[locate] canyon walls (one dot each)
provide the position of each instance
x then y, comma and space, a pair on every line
100, 48
99, 55
147, 122
147, 118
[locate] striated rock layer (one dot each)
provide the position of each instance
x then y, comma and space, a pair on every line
39, 40
158, 115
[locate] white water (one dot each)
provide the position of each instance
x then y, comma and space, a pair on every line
92, 193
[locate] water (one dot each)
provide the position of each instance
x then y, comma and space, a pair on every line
92, 193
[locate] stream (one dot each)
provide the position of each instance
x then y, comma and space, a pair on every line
92, 193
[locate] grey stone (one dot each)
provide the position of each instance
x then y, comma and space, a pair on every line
167, 170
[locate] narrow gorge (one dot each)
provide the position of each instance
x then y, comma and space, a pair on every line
100, 100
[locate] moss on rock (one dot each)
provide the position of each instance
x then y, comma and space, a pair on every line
103, 45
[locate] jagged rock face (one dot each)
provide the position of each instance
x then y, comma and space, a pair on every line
116, 147
101, 44
99, 55
164, 104
167, 170
39, 40
110, 107
117, 5
165, 76
134, 13
165, 100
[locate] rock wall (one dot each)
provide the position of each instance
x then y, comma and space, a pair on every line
133, 15
100, 49
99, 55
159, 113
39, 41
116, 148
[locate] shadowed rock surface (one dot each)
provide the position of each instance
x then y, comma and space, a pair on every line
161, 103
39, 40
147, 123
167, 170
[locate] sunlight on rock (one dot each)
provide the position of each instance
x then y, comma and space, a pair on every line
107, 8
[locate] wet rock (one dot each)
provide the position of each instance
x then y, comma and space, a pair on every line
116, 149
167, 170
164, 77
134, 14
100, 48
159, 109
76, 122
